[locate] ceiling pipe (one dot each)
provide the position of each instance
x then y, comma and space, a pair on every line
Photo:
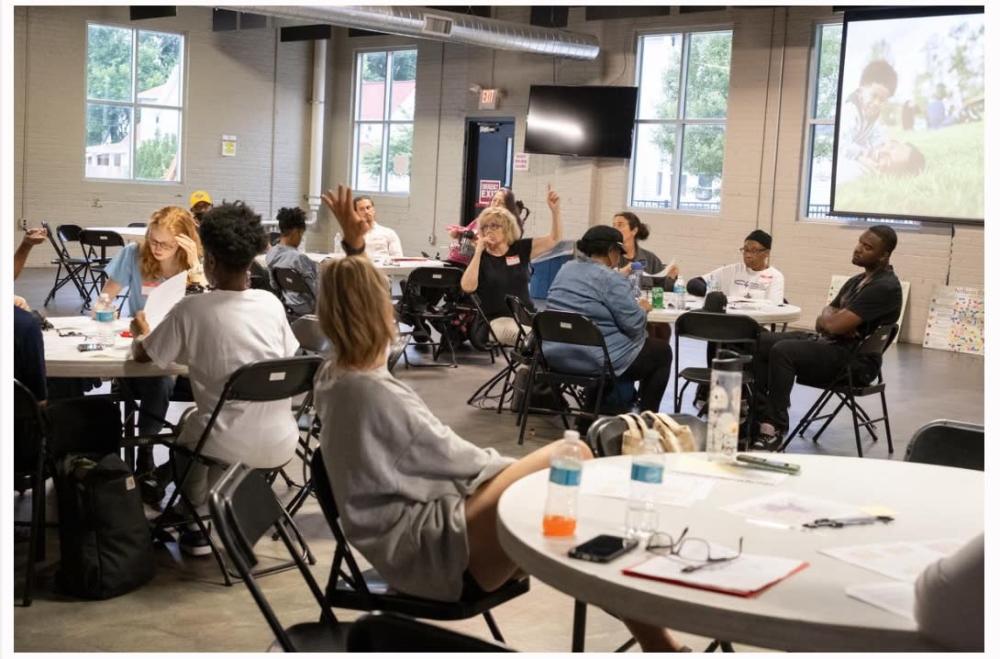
447, 26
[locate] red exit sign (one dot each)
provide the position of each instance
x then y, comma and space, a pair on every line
488, 99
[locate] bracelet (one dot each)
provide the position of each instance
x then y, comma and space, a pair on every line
350, 251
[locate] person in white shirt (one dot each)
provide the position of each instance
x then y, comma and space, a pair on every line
753, 278
381, 243
214, 334
949, 606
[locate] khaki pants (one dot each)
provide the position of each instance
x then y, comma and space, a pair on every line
505, 329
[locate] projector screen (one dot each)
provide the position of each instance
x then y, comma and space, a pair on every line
909, 128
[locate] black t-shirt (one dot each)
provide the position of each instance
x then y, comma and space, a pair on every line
29, 353
877, 303
500, 276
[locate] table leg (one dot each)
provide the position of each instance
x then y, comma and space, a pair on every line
579, 625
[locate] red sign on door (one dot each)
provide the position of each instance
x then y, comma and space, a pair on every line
487, 189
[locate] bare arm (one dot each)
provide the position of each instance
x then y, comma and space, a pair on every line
470, 278
542, 244
31, 238
139, 328
112, 288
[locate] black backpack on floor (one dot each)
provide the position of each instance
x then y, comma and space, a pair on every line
105, 544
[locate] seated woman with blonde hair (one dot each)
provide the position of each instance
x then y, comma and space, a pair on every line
418, 501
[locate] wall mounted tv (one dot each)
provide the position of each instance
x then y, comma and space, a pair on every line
909, 137
592, 121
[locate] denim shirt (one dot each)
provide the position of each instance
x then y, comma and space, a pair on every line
603, 295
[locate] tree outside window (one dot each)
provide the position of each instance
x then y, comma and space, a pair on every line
680, 132
385, 90
134, 104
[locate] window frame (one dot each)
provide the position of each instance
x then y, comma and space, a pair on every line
134, 104
680, 123
387, 122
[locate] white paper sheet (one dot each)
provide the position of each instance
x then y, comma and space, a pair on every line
790, 509
894, 596
700, 466
163, 298
612, 480
897, 560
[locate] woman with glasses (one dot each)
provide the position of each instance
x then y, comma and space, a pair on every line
462, 247
501, 264
752, 278
171, 246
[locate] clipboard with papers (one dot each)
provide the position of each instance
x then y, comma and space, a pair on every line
747, 576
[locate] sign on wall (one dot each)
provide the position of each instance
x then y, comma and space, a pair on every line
229, 145
487, 188
521, 162
955, 320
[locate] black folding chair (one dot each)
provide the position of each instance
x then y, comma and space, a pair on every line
263, 381
737, 330
384, 631
310, 335
517, 355
574, 330
96, 244
414, 308
949, 444
847, 390
69, 269
351, 588
243, 509
30, 472
288, 281
273, 237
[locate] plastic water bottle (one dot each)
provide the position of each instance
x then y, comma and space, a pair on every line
635, 279
564, 486
641, 517
725, 391
680, 288
104, 316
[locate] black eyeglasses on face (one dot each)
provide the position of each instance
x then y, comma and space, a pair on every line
694, 550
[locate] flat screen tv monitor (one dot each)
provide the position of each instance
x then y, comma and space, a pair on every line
909, 136
581, 121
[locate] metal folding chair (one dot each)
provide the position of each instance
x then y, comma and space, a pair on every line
949, 444
289, 280
69, 269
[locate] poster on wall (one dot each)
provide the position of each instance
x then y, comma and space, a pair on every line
955, 320
487, 188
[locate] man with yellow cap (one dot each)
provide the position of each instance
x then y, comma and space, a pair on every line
200, 202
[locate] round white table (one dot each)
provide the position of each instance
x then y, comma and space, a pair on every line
129, 233
63, 360
761, 311
808, 611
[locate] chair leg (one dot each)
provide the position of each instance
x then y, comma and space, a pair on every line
579, 625
867, 421
854, 418
36, 539
525, 405
829, 418
885, 419
494, 629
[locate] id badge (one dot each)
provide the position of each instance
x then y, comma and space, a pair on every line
513, 260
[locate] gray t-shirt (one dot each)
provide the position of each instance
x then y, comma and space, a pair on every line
400, 479
283, 256
949, 607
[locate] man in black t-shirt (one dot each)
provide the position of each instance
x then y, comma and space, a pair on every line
866, 301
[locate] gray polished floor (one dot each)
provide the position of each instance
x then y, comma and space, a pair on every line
186, 608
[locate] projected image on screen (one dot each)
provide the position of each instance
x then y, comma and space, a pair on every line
910, 118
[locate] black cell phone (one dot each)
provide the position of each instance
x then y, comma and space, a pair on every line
89, 347
68, 332
603, 548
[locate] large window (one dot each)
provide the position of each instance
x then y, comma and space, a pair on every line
385, 89
680, 134
134, 113
820, 121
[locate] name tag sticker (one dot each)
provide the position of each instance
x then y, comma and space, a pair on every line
567, 326
148, 286
277, 376
513, 260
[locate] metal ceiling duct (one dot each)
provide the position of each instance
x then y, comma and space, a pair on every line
443, 26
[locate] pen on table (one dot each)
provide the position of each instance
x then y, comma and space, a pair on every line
836, 523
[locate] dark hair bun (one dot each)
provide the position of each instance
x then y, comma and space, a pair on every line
642, 232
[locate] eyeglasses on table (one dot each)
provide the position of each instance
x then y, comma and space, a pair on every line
696, 551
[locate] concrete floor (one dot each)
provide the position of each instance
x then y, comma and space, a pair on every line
187, 609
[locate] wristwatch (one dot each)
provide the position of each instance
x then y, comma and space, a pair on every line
350, 251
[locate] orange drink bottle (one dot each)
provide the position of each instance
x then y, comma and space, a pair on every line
565, 470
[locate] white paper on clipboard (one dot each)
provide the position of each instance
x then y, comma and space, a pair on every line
163, 298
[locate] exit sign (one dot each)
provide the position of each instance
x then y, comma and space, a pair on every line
488, 99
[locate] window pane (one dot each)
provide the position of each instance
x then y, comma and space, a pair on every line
157, 156
400, 158
708, 75
829, 71
820, 170
159, 77
371, 95
701, 169
368, 157
652, 165
404, 84
109, 63
109, 145
660, 77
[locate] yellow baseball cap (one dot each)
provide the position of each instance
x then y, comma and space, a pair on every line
199, 196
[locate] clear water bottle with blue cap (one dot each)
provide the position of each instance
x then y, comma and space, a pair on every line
725, 391
104, 316
680, 288
641, 517
635, 278
565, 470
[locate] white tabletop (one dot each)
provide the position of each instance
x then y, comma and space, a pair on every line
399, 267
760, 310
131, 233
808, 611
63, 360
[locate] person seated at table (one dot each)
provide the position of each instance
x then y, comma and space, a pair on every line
199, 203
752, 278
286, 254
463, 245
214, 334
591, 286
501, 264
416, 499
381, 243
866, 301
633, 231
948, 606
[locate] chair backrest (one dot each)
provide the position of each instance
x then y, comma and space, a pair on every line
310, 335
519, 310
100, 238
272, 379
69, 232
435, 277
57, 246
570, 329
383, 631
717, 328
292, 281
243, 508
878, 341
949, 444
